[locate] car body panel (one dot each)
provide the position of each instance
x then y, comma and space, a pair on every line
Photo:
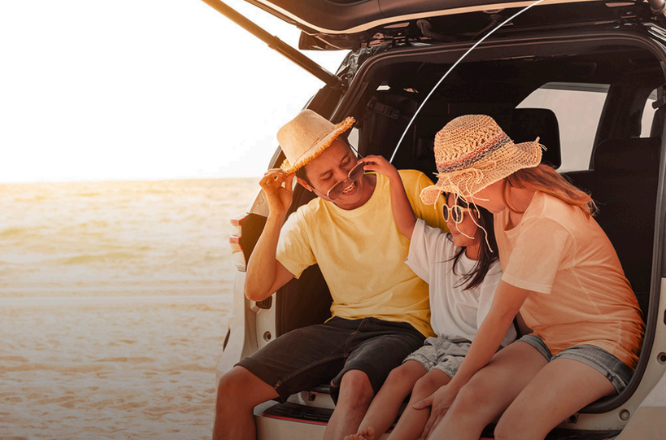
649, 420
349, 17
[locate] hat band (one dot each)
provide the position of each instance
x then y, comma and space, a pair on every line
495, 144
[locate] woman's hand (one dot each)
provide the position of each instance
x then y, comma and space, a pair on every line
380, 165
439, 402
278, 187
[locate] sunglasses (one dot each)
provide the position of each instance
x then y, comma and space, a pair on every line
354, 174
455, 212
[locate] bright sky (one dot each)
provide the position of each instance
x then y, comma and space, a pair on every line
142, 89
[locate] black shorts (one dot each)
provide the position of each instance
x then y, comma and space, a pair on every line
309, 356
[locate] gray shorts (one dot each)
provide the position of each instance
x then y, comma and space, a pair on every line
614, 369
442, 354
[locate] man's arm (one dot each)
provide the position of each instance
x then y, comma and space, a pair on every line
265, 274
402, 209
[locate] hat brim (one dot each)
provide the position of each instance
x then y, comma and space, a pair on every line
318, 147
485, 172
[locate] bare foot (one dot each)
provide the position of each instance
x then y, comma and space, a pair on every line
366, 434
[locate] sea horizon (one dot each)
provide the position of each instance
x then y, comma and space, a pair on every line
123, 237
138, 179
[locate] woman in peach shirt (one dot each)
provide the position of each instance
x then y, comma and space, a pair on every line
560, 272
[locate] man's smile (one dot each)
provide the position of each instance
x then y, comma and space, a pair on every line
349, 188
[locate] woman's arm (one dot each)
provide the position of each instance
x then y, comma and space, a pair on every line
402, 209
506, 304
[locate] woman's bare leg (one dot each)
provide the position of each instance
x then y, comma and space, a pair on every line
561, 388
411, 423
385, 406
492, 389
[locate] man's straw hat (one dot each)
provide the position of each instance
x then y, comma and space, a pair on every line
472, 152
306, 136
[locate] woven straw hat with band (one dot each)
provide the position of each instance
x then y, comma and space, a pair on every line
472, 152
307, 136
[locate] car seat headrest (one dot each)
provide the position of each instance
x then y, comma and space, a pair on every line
635, 155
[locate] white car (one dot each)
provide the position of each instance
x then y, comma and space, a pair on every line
586, 76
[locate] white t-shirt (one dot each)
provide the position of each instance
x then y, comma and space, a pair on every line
455, 314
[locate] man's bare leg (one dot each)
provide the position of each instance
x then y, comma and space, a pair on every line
356, 393
238, 393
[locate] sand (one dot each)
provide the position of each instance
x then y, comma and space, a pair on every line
114, 302
127, 369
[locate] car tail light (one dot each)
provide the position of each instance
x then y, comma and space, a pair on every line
235, 243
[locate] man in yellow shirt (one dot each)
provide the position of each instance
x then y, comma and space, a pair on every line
380, 307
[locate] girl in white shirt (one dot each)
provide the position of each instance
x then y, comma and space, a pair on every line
462, 270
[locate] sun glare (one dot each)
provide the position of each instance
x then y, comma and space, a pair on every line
142, 90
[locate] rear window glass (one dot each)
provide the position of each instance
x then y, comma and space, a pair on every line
578, 110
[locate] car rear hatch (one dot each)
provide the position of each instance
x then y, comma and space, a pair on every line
351, 24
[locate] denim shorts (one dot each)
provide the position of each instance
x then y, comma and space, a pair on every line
442, 354
323, 353
616, 371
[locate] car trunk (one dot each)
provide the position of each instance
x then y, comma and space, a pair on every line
494, 80
583, 46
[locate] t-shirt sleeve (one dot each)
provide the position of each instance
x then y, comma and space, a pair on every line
414, 181
293, 250
537, 255
423, 249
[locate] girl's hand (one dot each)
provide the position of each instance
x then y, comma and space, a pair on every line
440, 401
380, 165
277, 186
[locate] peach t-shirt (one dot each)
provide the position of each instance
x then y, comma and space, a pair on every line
579, 294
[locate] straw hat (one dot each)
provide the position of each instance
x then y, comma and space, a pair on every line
307, 136
472, 152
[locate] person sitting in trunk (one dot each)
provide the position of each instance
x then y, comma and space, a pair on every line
380, 310
559, 269
462, 269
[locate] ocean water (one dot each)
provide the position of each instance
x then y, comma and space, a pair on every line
119, 238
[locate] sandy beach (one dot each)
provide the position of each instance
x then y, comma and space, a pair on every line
113, 307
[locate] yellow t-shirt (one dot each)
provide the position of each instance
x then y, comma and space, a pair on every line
361, 254
579, 294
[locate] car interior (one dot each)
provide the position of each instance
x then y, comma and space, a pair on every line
622, 157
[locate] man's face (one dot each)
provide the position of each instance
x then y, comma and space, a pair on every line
331, 167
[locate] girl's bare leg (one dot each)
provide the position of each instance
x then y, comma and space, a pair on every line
385, 406
559, 390
412, 421
492, 389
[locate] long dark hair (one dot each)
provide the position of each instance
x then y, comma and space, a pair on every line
487, 255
